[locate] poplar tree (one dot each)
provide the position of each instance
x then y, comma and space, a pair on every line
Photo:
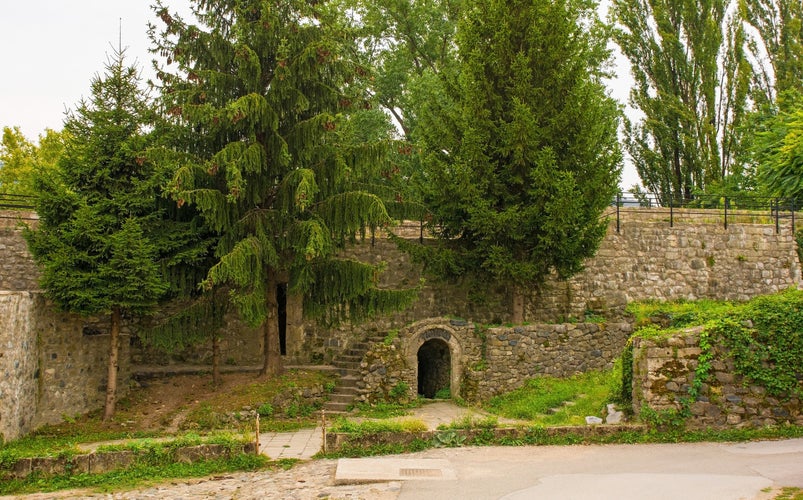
778, 38
261, 90
692, 83
520, 147
96, 242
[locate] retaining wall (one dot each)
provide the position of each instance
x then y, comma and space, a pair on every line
664, 369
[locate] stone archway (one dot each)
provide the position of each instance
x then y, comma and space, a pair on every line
434, 352
434, 368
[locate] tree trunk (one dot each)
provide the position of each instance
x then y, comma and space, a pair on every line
518, 306
111, 384
272, 358
215, 360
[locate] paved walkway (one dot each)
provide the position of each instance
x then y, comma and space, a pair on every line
305, 443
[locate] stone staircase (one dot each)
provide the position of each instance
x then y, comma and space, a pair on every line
348, 366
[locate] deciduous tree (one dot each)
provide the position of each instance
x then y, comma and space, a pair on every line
692, 82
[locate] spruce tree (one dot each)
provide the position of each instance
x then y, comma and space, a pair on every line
261, 90
95, 241
519, 147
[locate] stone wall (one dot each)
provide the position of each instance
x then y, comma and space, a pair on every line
652, 261
17, 269
664, 369
487, 361
52, 364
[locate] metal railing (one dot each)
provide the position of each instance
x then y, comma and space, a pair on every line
10, 201
725, 210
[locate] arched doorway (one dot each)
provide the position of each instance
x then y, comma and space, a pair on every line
434, 367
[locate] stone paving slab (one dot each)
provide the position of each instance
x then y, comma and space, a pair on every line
370, 470
301, 444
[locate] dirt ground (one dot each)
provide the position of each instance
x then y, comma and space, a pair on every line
161, 404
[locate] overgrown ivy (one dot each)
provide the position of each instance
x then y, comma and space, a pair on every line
763, 336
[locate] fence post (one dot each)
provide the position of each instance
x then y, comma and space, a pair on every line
793, 216
726, 212
671, 212
618, 202
421, 232
777, 216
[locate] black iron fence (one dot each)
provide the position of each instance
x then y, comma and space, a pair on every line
725, 210
10, 201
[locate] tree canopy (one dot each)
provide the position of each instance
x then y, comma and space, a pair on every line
263, 91
21, 160
95, 242
519, 144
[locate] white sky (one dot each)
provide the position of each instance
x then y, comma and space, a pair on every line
51, 49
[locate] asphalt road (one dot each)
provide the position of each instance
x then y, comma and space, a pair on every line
699, 471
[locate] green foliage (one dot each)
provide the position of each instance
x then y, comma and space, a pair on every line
770, 350
519, 144
675, 314
399, 392
554, 401
625, 391
443, 393
141, 473
22, 161
276, 170
390, 337
693, 98
375, 426
763, 336
448, 439
778, 148
384, 409
472, 422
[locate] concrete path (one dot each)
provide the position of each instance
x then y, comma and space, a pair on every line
305, 443
301, 444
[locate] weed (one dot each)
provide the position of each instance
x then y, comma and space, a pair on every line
448, 439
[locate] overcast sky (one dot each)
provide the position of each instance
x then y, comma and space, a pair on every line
51, 49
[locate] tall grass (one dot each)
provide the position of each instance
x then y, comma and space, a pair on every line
555, 401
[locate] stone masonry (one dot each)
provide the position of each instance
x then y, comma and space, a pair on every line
664, 369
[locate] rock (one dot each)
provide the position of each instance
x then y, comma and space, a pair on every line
614, 416
593, 420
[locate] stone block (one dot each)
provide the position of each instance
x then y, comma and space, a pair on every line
109, 461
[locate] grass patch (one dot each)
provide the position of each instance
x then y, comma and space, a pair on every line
376, 426
678, 313
137, 475
551, 401
790, 493
384, 409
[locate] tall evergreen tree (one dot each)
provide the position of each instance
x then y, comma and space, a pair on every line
263, 88
520, 147
692, 82
94, 241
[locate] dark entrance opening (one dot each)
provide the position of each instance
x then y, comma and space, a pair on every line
281, 299
434, 367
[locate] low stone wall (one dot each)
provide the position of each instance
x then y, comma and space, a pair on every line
485, 362
664, 369
103, 462
52, 364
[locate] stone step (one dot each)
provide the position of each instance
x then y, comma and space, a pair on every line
341, 398
348, 365
345, 390
348, 381
334, 406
